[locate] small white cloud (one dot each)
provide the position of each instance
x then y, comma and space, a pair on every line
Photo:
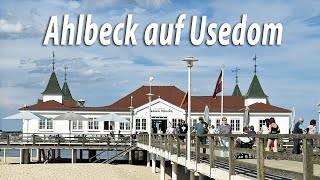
6, 27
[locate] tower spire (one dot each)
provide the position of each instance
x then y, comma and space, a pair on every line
255, 63
53, 61
65, 73
236, 71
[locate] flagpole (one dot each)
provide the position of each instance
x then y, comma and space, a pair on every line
222, 70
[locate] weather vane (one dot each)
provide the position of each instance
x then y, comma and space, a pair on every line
53, 60
65, 73
255, 63
236, 71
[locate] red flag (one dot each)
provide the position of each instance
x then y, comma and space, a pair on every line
218, 86
185, 99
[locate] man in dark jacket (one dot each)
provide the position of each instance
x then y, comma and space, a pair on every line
298, 129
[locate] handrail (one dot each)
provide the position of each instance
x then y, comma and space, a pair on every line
173, 145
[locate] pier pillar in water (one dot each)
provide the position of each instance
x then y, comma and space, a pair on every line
153, 168
174, 174
148, 159
162, 168
74, 156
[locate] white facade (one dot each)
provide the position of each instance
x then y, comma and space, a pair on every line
163, 113
57, 98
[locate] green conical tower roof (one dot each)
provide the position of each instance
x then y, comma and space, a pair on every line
255, 89
66, 92
236, 91
53, 86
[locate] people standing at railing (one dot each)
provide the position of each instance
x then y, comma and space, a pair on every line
200, 128
312, 128
183, 130
252, 132
298, 129
265, 128
273, 142
225, 128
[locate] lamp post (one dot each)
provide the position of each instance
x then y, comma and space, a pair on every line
150, 122
131, 108
189, 61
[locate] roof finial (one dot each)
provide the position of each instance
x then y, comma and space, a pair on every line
53, 61
236, 71
65, 73
255, 63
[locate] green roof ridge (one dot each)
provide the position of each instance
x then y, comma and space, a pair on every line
53, 86
66, 92
236, 91
255, 89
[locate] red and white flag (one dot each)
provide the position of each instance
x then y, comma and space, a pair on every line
218, 88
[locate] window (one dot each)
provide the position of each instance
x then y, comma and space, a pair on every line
218, 123
93, 124
176, 122
235, 124
232, 124
76, 125
194, 122
262, 122
138, 124
144, 124
108, 125
126, 125
46, 124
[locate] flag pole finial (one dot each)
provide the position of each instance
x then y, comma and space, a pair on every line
236, 71
53, 61
65, 73
255, 63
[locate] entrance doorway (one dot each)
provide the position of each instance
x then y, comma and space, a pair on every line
159, 124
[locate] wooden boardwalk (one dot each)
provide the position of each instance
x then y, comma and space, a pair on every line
287, 166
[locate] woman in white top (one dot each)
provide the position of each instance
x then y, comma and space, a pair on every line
312, 127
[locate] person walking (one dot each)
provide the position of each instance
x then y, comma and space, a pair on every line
200, 128
225, 128
298, 129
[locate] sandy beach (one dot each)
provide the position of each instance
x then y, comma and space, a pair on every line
11, 169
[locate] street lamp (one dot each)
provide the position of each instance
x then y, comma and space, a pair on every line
150, 125
189, 61
131, 108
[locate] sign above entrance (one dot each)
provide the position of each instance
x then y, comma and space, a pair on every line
161, 110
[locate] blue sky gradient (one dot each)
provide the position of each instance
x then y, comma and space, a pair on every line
101, 75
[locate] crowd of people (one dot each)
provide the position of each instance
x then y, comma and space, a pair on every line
269, 127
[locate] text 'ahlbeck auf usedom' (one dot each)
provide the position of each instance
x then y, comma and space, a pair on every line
199, 32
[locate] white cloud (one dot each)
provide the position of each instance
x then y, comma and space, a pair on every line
7, 27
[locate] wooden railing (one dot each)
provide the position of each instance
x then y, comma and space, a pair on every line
65, 139
310, 151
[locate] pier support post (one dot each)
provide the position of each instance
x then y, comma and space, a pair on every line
148, 159
174, 174
59, 153
4, 155
73, 156
24, 156
81, 155
192, 176
38, 155
153, 163
162, 168
53, 153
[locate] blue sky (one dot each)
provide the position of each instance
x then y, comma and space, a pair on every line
101, 75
